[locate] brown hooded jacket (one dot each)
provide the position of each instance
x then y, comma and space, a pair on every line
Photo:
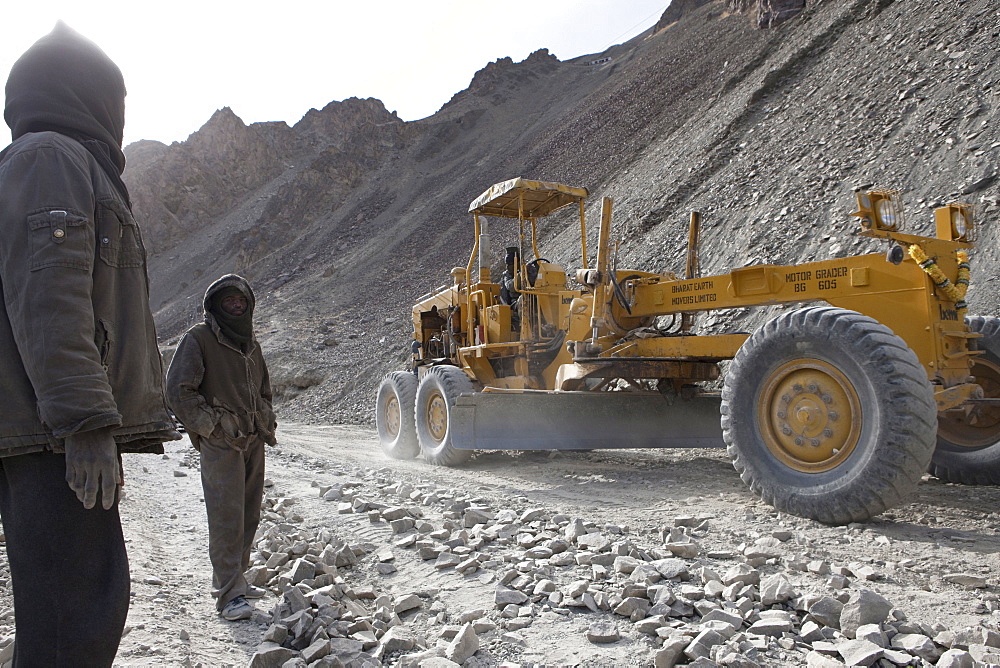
217, 388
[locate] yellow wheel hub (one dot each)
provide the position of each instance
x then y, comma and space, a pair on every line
392, 416
980, 426
810, 415
437, 416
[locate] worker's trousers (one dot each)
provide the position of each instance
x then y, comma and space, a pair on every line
233, 481
68, 567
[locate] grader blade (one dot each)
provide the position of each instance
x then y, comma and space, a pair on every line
544, 420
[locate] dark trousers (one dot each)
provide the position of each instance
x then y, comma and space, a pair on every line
233, 481
68, 566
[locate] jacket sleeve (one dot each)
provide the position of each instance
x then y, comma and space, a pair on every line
187, 369
265, 385
47, 258
268, 397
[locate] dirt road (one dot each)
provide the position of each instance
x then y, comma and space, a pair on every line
948, 529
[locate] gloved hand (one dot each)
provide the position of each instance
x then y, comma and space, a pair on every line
92, 465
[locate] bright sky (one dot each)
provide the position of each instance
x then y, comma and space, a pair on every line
273, 61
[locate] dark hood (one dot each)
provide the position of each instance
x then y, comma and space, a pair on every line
238, 329
230, 281
64, 83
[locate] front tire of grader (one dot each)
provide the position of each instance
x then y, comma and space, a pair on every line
397, 433
436, 395
968, 446
827, 414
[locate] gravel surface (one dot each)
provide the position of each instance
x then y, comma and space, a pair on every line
935, 560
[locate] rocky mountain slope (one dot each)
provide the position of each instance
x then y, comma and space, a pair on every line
762, 115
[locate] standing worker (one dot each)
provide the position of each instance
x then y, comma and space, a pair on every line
218, 387
80, 371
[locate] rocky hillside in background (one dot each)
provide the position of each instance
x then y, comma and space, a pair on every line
761, 114
764, 13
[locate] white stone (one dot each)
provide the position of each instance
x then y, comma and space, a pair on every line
603, 632
465, 644
859, 652
966, 580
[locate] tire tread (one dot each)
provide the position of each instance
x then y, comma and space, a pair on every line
404, 385
901, 457
452, 381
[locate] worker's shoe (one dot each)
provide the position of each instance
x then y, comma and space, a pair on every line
255, 592
238, 608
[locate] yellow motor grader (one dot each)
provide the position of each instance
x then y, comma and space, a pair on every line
832, 411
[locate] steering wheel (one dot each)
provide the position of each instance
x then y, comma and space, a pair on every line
531, 269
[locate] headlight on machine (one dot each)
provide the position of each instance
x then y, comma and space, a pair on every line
880, 209
959, 225
955, 222
887, 214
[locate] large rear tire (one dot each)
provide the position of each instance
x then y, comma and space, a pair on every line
968, 446
394, 404
828, 415
436, 395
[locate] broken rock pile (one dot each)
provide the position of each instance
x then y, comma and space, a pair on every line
680, 603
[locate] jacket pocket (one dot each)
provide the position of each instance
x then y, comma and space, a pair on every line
234, 426
60, 238
118, 236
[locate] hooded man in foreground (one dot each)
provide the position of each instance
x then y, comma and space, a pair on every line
218, 387
80, 371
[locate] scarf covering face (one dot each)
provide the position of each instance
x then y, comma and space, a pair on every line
64, 83
238, 329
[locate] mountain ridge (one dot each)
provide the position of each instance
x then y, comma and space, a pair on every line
343, 220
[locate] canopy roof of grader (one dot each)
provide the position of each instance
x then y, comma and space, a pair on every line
540, 198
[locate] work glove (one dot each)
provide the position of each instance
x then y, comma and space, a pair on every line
91, 465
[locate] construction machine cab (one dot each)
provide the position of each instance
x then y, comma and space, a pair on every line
507, 329
526, 307
525, 201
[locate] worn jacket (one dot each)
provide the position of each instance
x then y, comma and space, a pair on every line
77, 341
217, 388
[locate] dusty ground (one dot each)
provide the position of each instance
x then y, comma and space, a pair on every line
172, 620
